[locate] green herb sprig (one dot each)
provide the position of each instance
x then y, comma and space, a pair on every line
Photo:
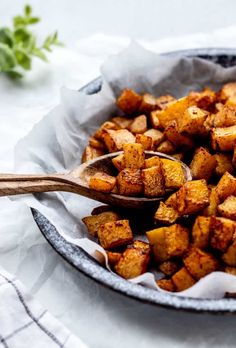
18, 45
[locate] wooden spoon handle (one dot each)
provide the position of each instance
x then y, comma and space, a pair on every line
9, 188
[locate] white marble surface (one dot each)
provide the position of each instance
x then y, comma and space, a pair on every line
99, 316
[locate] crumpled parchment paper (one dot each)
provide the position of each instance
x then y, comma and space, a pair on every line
56, 143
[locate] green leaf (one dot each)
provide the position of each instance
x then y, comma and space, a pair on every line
7, 58
28, 10
19, 21
6, 37
38, 53
23, 58
33, 20
22, 35
14, 74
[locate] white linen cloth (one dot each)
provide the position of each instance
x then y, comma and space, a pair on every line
98, 316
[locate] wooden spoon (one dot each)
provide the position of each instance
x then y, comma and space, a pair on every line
77, 181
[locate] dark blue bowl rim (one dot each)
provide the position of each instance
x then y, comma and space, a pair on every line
83, 262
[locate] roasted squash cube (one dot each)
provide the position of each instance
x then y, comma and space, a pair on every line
102, 182
152, 162
119, 162
226, 187
166, 284
149, 103
153, 181
211, 209
164, 101
174, 111
134, 156
173, 173
204, 99
114, 234
179, 140
139, 124
192, 197
224, 164
203, 164
103, 128
166, 214
227, 91
154, 119
225, 117
132, 263
223, 139
169, 267
201, 232
192, 121
156, 135
182, 280
116, 139
222, 232
229, 257
93, 222
166, 147
200, 263
122, 122
227, 209
129, 182
231, 270
129, 101
145, 141
157, 238
177, 240
91, 153
143, 246
97, 144
113, 258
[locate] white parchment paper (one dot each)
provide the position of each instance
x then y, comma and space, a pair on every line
56, 143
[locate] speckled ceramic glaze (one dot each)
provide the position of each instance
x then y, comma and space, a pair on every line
84, 263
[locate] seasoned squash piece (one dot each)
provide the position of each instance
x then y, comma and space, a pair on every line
225, 117
103, 128
133, 262
192, 197
113, 258
231, 101
200, 263
134, 156
224, 164
169, 267
201, 232
192, 121
223, 139
157, 239
166, 284
93, 222
178, 140
154, 119
119, 162
122, 122
102, 182
203, 164
91, 153
182, 280
227, 91
177, 240
227, 209
178, 156
114, 234
226, 187
145, 141
148, 104
229, 257
173, 173
129, 101
143, 246
153, 182
152, 162
129, 182
166, 214
174, 111
203, 99
166, 147
156, 135
116, 139
164, 101
222, 232
139, 124
97, 144
211, 209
